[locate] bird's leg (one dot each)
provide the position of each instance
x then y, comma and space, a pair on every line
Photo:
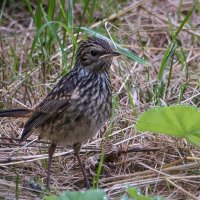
77, 148
52, 149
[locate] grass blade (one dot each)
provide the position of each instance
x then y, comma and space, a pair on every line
70, 14
2, 7
186, 19
38, 15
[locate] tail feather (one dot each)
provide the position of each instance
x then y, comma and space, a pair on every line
16, 113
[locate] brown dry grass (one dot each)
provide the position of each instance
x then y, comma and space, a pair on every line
172, 172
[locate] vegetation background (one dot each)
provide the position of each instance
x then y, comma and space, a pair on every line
35, 52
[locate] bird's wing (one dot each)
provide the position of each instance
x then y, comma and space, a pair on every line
59, 99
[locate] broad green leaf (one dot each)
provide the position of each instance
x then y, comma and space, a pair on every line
179, 121
83, 195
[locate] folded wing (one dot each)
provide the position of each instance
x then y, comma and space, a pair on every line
56, 102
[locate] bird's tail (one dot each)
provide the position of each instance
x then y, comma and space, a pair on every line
16, 113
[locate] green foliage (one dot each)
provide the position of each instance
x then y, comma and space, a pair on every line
131, 194
55, 25
179, 121
2, 8
169, 56
83, 195
14, 65
134, 194
17, 186
96, 178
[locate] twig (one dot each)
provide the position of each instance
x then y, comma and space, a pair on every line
180, 188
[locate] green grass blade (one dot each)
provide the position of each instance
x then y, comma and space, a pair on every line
91, 13
132, 103
51, 9
70, 14
48, 24
14, 65
186, 19
2, 8
86, 4
27, 2
38, 15
53, 35
52, 31
179, 9
99, 170
17, 190
62, 11
168, 55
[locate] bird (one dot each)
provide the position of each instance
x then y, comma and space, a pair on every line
78, 105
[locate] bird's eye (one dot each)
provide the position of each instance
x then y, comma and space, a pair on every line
93, 52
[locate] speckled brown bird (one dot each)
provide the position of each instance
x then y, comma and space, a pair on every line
79, 104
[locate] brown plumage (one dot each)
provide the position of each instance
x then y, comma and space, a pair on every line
79, 104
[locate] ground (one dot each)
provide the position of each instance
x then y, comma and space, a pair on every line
145, 28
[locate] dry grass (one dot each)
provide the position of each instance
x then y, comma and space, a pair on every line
172, 172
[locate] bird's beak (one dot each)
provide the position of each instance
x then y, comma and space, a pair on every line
115, 53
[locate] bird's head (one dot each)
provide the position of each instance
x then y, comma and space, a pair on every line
95, 54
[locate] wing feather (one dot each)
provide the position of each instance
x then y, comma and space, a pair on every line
57, 101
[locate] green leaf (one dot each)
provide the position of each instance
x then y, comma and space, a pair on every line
83, 195
134, 194
51, 197
179, 121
